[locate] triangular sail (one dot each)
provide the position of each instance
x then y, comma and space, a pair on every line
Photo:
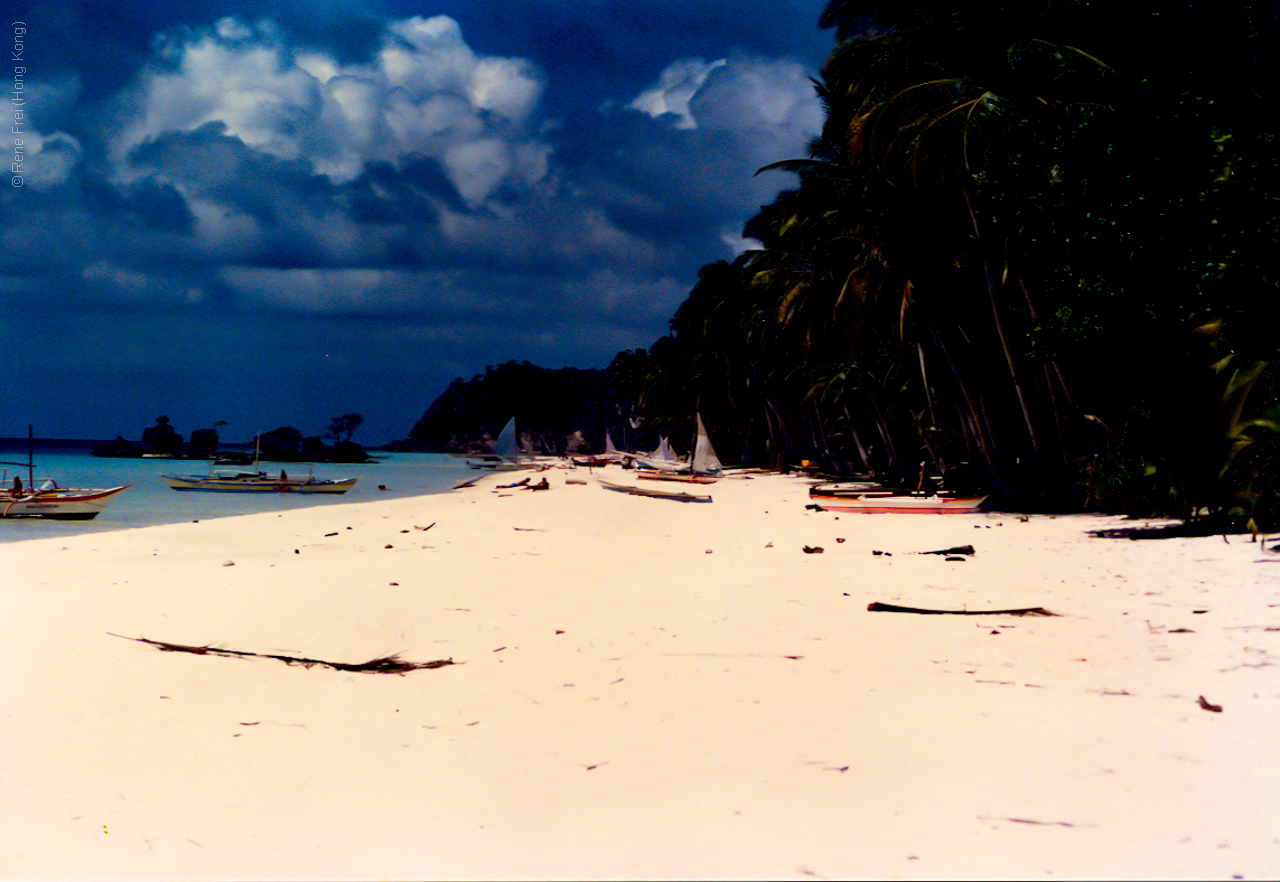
609, 449
506, 446
664, 451
705, 461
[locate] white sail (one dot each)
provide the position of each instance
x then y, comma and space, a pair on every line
506, 446
664, 451
609, 449
705, 461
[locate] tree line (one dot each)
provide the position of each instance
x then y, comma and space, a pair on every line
1034, 248
285, 443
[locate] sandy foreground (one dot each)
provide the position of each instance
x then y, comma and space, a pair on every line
643, 689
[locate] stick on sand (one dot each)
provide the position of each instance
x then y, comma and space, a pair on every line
390, 664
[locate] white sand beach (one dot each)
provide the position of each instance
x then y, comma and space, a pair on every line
642, 689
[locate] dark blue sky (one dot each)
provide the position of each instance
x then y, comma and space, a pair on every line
273, 213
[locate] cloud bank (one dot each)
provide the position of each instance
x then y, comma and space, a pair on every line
245, 176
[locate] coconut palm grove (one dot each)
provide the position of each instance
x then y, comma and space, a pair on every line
1034, 249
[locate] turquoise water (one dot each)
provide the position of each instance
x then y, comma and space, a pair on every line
151, 502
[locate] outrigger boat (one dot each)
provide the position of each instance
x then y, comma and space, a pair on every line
257, 481
45, 499
504, 453
890, 502
653, 492
51, 501
704, 466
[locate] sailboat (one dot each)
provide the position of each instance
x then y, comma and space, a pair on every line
703, 468
505, 453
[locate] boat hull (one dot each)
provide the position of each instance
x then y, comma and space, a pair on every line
61, 504
683, 477
653, 492
256, 485
899, 504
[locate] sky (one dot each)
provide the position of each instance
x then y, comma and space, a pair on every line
272, 213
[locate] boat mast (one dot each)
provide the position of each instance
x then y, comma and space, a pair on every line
31, 458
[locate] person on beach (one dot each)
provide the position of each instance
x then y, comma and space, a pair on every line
17, 486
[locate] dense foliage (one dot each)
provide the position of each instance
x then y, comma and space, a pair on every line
1035, 246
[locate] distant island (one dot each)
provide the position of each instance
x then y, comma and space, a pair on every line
285, 444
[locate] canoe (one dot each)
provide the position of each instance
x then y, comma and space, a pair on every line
899, 503
683, 477
653, 492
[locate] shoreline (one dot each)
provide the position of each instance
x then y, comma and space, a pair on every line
642, 689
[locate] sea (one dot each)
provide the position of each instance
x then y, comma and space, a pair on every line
151, 502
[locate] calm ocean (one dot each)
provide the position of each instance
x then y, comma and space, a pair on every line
150, 501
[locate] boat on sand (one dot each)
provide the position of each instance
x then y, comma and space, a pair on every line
703, 468
654, 492
890, 502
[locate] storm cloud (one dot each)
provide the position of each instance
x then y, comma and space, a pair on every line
261, 201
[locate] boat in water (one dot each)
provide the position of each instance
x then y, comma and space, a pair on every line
256, 480
43, 498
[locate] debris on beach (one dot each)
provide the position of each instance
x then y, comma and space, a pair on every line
959, 549
389, 664
877, 606
1212, 708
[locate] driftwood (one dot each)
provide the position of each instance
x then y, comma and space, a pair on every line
959, 549
390, 664
876, 606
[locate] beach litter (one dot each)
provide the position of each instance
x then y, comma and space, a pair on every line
877, 606
389, 664
959, 549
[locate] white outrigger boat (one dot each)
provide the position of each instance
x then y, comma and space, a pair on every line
890, 502
48, 500
257, 481
45, 499
703, 467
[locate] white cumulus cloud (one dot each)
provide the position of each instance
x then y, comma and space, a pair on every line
676, 86
424, 94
